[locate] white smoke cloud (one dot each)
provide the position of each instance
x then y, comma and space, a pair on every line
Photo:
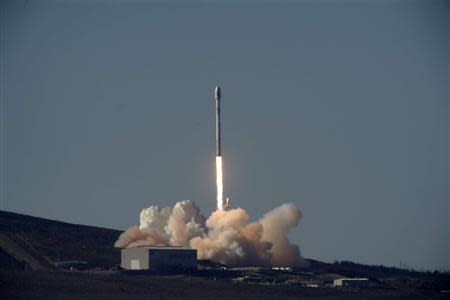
226, 236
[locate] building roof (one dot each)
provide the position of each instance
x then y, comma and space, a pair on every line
354, 279
161, 248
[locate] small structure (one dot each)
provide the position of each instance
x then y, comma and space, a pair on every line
159, 258
351, 282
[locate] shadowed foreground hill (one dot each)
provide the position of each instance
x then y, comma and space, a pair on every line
78, 285
56, 241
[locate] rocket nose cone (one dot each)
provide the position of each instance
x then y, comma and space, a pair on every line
217, 92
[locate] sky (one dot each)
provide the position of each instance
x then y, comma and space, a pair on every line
340, 107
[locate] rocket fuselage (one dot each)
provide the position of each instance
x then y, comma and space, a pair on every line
218, 129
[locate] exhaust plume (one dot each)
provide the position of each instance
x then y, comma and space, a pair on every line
227, 236
219, 182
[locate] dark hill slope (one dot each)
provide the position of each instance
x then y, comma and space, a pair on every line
56, 241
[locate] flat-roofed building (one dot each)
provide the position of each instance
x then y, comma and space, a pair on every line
351, 282
158, 258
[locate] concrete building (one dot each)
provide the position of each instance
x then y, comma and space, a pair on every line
351, 282
158, 258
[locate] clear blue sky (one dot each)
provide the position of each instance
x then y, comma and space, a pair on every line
338, 106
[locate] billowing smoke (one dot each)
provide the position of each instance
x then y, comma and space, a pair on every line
227, 236
165, 227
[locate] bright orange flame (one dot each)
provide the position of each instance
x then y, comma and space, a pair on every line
219, 182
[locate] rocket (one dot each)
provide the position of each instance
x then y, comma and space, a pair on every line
221, 202
218, 130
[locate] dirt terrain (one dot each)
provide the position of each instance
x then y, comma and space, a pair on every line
31, 250
82, 285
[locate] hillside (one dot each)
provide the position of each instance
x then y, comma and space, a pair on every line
55, 241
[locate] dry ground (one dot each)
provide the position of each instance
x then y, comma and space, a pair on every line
83, 285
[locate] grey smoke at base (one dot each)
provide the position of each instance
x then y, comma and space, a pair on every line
226, 236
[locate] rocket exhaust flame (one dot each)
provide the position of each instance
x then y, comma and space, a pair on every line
219, 182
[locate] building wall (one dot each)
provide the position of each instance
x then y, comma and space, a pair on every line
149, 258
351, 282
135, 258
173, 258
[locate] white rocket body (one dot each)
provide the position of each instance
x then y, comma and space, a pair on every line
217, 94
